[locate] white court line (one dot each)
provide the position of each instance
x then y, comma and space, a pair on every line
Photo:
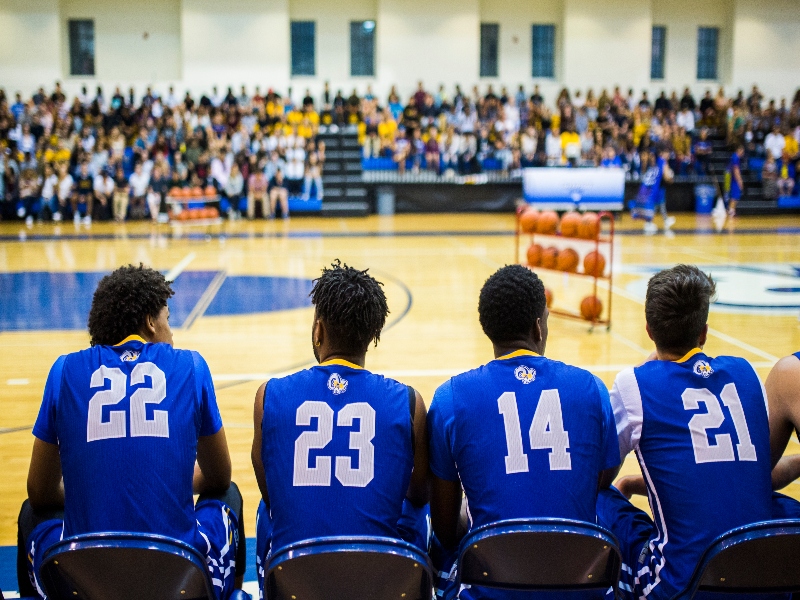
173, 273
630, 344
18, 382
431, 372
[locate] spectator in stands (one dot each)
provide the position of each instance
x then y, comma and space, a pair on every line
769, 178
702, 153
233, 190
157, 193
313, 175
787, 173
63, 190
29, 187
553, 147
402, 149
257, 192
278, 193
84, 195
139, 182
775, 142
103, 194
121, 195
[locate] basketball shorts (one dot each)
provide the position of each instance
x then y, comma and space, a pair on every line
217, 526
414, 527
634, 529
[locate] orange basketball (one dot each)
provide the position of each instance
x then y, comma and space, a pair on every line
175, 191
550, 257
548, 295
590, 226
570, 223
567, 260
213, 213
547, 222
211, 190
591, 307
594, 264
535, 255
527, 219
197, 192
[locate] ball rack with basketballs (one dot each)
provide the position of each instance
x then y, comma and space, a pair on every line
190, 206
585, 232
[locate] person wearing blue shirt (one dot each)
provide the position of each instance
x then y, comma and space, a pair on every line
128, 431
736, 183
524, 436
338, 450
699, 428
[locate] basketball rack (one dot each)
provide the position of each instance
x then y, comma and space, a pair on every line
605, 241
184, 202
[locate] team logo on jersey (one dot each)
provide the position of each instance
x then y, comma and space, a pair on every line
703, 369
525, 374
337, 384
129, 356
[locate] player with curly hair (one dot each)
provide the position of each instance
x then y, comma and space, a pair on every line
368, 473
523, 436
128, 431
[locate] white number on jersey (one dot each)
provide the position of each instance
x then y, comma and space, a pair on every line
361, 440
722, 448
115, 427
546, 432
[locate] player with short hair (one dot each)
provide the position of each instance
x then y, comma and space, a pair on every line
128, 430
523, 435
699, 428
339, 450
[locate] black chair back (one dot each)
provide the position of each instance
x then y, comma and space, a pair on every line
344, 568
540, 554
124, 566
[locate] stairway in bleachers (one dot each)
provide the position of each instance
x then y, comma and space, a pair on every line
345, 192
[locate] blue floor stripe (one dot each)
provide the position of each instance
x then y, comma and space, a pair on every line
8, 565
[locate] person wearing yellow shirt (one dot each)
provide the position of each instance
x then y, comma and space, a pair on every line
791, 148
387, 128
571, 145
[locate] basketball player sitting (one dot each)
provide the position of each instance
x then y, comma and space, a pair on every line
128, 430
523, 435
338, 450
699, 428
783, 391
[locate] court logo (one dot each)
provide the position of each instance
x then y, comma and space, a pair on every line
337, 384
703, 369
525, 374
129, 356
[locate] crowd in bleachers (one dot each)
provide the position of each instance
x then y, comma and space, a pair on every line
119, 155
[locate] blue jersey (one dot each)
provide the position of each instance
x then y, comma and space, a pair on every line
337, 453
526, 435
700, 432
733, 165
126, 420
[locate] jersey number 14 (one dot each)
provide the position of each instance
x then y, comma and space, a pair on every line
546, 432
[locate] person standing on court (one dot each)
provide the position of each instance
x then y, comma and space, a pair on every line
338, 450
127, 431
523, 435
699, 428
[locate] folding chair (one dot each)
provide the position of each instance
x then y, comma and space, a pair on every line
540, 555
343, 568
761, 558
125, 566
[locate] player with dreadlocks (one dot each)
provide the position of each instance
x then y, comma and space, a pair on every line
128, 431
338, 450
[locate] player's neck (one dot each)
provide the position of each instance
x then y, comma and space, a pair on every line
674, 356
511, 347
356, 359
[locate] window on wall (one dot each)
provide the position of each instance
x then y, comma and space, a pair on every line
362, 48
544, 55
303, 47
81, 47
707, 52
490, 35
658, 52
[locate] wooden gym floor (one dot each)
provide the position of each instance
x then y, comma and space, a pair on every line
432, 267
